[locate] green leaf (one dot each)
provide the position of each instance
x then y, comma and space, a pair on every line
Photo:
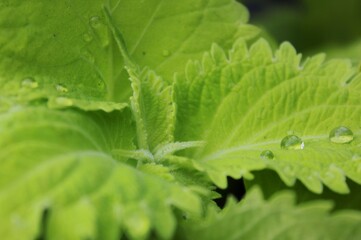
155, 38
276, 218
61, 51
271, 183
65, 52
246, 102
153, 109
62, 162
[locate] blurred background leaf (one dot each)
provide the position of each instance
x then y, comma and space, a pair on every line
330, 26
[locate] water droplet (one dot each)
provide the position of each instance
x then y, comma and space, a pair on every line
63, 101
61, 88
29, 83
101, 85
94, 21
341, 135
166, 53
88, 56
292, 142
267, 155
100, 31
87, 37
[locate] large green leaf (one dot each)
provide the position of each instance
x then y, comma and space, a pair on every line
246, 102
61, 162
276, 218
153, 109
64, 51
164, 35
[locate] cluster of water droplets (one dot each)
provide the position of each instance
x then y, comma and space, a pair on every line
338, 135
97, 30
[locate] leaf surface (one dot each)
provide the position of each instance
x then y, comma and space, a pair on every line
65, 52
62, 162
276, 218
60, 51
153, 109
164, 35
246, 102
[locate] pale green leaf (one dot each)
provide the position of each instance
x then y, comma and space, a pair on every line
276, 218
153, 109
62, 162
247, 101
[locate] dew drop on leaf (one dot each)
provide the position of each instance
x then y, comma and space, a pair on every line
100, 30
341, 135
29, 83
94, 21
87, 37
61, 88
267, 155
166, 53
292, 142
101, 85
88, 56
63, 101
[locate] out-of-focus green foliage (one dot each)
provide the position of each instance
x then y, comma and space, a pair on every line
310, 25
